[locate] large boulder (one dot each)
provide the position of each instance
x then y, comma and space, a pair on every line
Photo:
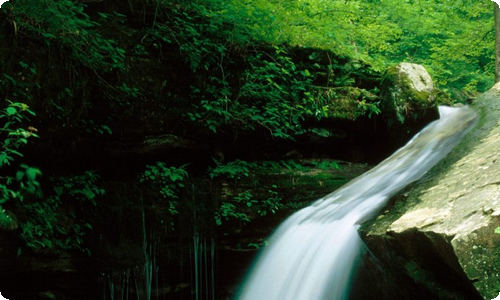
438, 237
408, 99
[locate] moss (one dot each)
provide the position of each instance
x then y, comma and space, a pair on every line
346, 102
402, 100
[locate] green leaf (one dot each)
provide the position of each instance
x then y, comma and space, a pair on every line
11, 111
89, 194
19, 175
31, 173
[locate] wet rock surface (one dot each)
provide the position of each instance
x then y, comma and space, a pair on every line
438, 235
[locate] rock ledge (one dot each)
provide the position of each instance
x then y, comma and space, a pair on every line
440, 233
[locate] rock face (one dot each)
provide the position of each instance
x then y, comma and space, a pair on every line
438, 236
406, 88
408, 98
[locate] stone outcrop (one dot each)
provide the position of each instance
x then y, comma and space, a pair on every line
408, 99
438, 236
407, 88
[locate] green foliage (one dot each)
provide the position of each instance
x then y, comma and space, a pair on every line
229, 211
369, 108
238, 79
275, 94
241, 206
63, 98
167, 182
241, 85
237, 169
272, 203
79, 58
21, 83
256, 18
326, 165
195, 38
244, 206
453, 39
65, 24
15, 137
128, 90
349, 103
5, 219
55, 222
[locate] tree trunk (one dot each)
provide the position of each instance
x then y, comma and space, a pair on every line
497, 42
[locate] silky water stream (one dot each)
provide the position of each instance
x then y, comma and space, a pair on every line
312, 254
149, 280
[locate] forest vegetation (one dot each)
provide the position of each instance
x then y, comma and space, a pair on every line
79, 71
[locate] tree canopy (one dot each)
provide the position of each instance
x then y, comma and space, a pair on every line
453, 39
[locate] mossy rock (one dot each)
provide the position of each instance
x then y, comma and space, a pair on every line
407, 88
409, 99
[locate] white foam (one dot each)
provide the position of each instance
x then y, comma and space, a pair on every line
312, 254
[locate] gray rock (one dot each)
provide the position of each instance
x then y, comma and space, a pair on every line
408, 99
406, 90
439, 234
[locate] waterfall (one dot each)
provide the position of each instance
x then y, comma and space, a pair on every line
312, 254
136, 280
159, 265
204, 268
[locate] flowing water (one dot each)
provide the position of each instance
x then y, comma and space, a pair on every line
312, 254
134, 282
147, 280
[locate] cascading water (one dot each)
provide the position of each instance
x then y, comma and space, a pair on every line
204, 268
312, 254
151, 278
136, 280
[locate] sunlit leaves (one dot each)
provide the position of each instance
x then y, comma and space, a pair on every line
453, 39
